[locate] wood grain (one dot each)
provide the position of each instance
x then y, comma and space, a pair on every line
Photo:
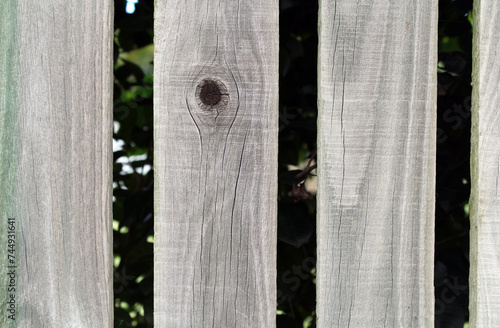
215, 163
485, 168
56, 160
376, 163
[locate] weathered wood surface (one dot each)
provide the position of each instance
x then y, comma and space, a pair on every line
485, 168
377, 127
215, 132
56, 161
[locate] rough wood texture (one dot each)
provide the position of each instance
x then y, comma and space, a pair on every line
56, 161
8, 154
485, 168
215, 130
377, 127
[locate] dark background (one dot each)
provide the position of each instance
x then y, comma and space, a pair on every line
133, 175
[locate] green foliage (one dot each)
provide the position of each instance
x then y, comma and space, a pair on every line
133, 174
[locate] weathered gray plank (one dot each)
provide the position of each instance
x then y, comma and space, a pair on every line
56, 162
377, 126
485, 168
215, 130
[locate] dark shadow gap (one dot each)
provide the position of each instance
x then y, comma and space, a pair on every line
296, 298
451, 271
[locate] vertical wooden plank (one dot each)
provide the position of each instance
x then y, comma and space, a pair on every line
485, 168
215, 130
377, 126
8, 148
56, 162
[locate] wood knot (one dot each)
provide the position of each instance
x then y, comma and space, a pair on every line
211, 93
212, 97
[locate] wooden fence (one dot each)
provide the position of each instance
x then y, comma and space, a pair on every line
216, 125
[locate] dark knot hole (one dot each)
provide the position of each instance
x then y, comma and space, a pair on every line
210, 93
